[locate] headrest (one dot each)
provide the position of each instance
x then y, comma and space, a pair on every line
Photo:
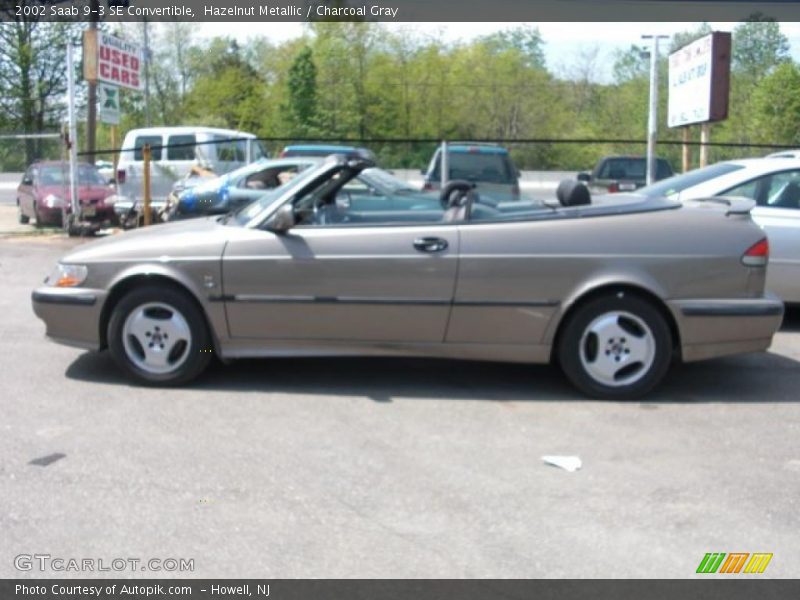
573, 193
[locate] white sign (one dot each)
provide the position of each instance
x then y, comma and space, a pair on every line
108, 59
696, 93
108, 97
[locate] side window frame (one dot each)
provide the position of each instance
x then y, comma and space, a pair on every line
762, 182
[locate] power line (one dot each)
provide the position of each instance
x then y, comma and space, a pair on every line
437, 140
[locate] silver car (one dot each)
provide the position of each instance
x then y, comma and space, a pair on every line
612, 291
773, 183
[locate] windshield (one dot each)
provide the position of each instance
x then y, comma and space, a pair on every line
676, 184
482, 167
385, 181
250, 211
55, 175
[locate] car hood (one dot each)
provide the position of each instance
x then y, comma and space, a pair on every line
194, 238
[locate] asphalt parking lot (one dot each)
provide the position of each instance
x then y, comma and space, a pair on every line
388, 467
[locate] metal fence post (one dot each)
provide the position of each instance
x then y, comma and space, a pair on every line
146, 182
445, 165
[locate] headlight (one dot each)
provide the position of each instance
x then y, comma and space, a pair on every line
51, 201
67, 275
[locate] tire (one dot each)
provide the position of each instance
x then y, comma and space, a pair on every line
38, 220
22, 217
157, 334
615, 347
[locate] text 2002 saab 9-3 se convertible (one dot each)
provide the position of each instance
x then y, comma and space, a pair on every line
612, 291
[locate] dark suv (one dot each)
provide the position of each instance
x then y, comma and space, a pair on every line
623, 174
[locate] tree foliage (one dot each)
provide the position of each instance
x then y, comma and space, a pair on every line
359, 80
33, 80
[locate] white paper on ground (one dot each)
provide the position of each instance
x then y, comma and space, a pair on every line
568, 463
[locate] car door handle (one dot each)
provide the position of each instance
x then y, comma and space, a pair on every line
430, 244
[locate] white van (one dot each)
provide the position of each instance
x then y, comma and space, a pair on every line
221, 150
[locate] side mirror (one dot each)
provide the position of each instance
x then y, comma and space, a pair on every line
584, 177
283, 219
27, 181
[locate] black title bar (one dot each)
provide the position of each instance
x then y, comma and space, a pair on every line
710, 587
397, 10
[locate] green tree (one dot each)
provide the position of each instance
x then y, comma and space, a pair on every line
302, 88
684, 38
227, 90
525, 39
758, 46
777, 105
34, 81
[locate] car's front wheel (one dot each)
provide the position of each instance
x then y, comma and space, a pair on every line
158, 335
23, 218
617, 347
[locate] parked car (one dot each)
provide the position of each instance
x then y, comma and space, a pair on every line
232, 191
44, 193
774, 185
106, 169
372, 187
323, 150
488, 166
614, 174
785, 154
175, 150
612, 290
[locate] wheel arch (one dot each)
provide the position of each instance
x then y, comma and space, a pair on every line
611, 288
129, 282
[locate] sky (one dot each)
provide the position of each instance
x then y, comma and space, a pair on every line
565, 43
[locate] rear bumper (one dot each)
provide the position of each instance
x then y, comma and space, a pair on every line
71, 315
717, 327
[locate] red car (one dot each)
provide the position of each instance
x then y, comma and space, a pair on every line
44, 192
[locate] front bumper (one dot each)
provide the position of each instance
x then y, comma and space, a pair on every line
717, 327
71, 315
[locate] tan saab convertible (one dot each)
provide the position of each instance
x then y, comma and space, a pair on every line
325, 265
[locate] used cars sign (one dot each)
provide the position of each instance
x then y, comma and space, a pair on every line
107, 59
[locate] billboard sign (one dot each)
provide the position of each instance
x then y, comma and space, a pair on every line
111, 60
699, 81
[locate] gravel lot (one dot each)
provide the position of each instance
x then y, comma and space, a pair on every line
387, 467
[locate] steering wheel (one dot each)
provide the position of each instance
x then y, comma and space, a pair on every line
319, 213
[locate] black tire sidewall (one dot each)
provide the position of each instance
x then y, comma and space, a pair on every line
569, 346
200, 350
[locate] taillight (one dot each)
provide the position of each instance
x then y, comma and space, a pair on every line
613, 188
757, 255
120, 175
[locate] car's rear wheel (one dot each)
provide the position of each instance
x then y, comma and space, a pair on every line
617, 347
158, 335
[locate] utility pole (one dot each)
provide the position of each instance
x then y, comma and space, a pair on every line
146, 75
91, 108
652, 122
72, 134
